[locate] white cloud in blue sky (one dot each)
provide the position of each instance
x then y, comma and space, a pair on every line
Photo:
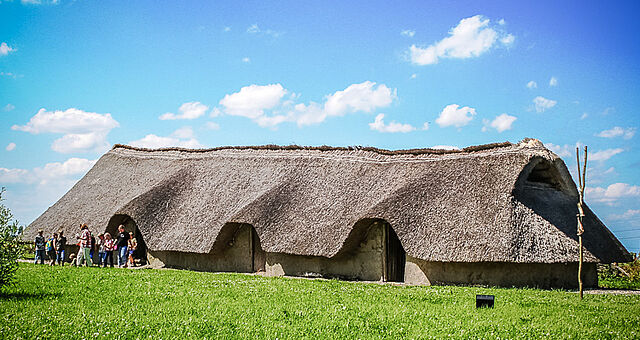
6, 49
542, 104
190, 110
500, 123
470, 38
616, 131
391, 127
271, 105
82, 131
454, 115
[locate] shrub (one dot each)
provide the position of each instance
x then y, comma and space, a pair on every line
10, 249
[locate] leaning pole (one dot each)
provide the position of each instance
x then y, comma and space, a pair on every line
581, 184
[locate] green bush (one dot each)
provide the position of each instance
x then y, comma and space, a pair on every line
609, 276
10, 249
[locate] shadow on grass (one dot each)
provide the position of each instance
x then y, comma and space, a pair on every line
27, 295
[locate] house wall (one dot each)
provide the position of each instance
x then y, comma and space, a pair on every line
541, 275
364, 263
237, 257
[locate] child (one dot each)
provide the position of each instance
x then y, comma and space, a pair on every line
108, 250
133, 244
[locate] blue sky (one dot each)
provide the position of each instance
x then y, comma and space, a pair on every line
79, 76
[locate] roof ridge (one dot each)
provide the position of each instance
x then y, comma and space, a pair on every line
417, 151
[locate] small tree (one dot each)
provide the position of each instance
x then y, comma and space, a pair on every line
10, 249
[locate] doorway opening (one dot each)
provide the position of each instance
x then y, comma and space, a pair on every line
394, 255
140, 253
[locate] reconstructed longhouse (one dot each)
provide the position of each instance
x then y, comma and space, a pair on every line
500, 214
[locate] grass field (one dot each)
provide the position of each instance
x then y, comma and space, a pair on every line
53, 302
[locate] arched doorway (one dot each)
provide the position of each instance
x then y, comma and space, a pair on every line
140, 254
394, 255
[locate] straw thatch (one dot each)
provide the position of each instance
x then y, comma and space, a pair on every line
492, 203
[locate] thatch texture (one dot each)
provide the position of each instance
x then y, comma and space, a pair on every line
494, 203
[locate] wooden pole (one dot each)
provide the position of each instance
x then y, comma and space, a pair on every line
581, 185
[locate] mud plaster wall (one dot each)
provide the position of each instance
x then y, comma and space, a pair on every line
237, 257
542, 275
364, 263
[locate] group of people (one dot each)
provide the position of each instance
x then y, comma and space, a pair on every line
55, 247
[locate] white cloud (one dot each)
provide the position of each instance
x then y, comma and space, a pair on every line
454, 115
6, 49
408, 33
604, 155
392, 127
617, 131
627, 215
532, 84
50, 172
553, 82
561, 150
266, 104
413, 76
246, 60
612, 193
470, 38
542, 104
501, 123
8, 107
190, 110
183, 137
584, 116
508, 39
359, 97
226, 29
83, 131
444, 147
255, 29
251, 101
81, 142
10, 146
501, 22
425, 126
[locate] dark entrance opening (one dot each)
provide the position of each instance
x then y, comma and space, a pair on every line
140, 254
395, 256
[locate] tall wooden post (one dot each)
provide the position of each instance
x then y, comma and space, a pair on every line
581, 184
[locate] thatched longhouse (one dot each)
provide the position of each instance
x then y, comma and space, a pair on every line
501, 214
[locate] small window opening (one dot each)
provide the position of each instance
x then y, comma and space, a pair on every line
545, 175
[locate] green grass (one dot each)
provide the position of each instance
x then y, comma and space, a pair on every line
54, 302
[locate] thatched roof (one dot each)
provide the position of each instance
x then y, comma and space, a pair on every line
501, 202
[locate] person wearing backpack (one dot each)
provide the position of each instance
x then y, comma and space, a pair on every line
39, 243
51, 248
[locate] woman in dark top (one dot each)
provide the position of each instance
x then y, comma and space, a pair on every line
61, 244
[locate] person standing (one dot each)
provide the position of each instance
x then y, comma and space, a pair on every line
85, 246
39, 243
100, 247
122, 243
108, 250
60, 247
51, 248
133, 244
